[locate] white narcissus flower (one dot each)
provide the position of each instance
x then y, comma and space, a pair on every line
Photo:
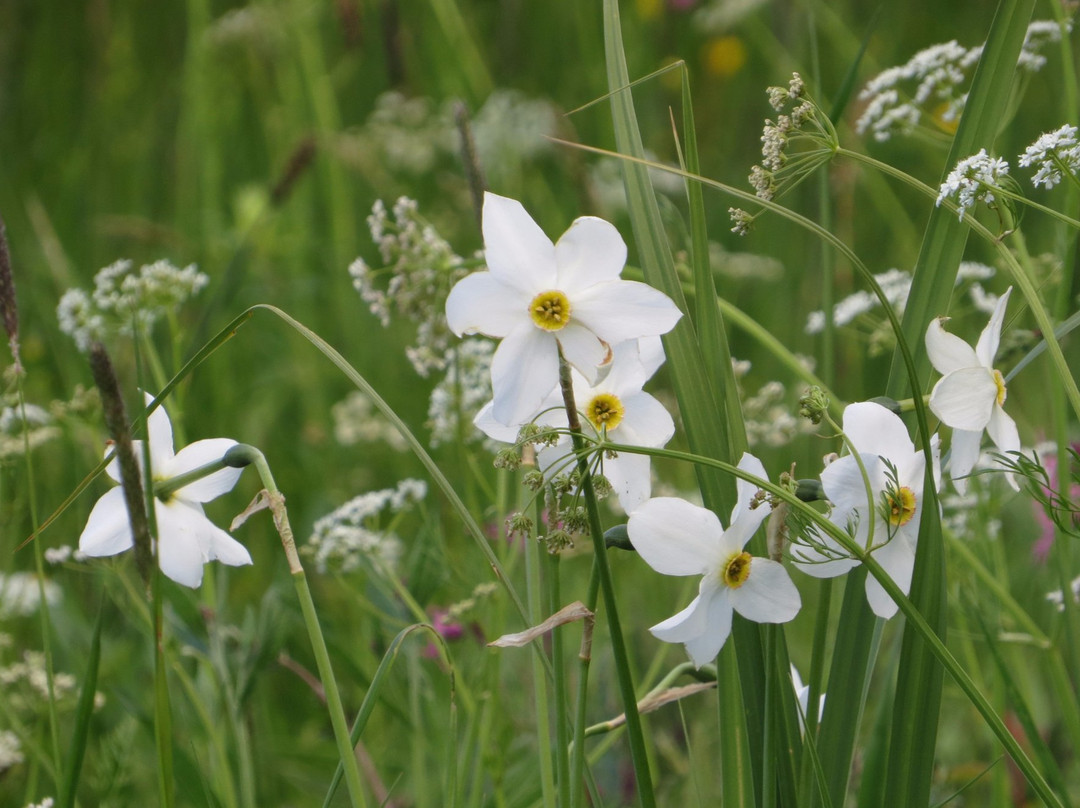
616, 404
539, 297
970, 394
676, 537
186, 538
802, 695
892, 507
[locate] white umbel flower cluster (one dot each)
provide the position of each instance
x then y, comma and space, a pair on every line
931, 87
975, 179
122, 298
347, 537
1052, 154
421, 267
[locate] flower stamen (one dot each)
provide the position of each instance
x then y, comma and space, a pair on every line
901, 505
605, 411
550, 310
999, 380
736, 570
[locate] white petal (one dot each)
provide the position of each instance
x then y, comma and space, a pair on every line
743, 519
225, 548
182, 546
651, 354
987, 347
704, 648
963, 456
685, 625
626, 373
584, 350
768, 594
814, 563
108, 530
845, 487
159, 429
1002, 431
198, 454
486, 423
645, 422
897, 558
631, 477
964, 398
620, 310
515, 248
113, 469
675, 537
482, 303
947, 351
590, 251
878, 431
523, 370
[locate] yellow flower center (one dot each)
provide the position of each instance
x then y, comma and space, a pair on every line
737, 570
550, 310
605, 411
999, 380
901, 503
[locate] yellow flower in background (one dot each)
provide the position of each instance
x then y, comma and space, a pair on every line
724, 56
650, 9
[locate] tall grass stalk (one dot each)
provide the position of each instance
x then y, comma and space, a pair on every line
276, 503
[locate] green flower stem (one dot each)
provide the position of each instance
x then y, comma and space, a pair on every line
43, 610
913, 615
240, 455
577, 759
164, 488
540, 685
1066, 697
562, 726
638, 751
163, 727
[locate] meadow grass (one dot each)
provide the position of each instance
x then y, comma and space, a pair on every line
273, 146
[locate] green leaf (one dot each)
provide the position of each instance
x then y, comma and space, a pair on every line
919, 679
371, 699
695, 381
83, 713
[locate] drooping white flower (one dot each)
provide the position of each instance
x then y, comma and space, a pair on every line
186, 538
970, 394
892, 507
675, 537
539, 297
802, 695
616, 405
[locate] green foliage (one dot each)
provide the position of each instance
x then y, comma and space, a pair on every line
250, 141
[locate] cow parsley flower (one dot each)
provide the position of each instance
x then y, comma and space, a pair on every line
975, 179
891, 509
675, 537
186, 538
969, 397
541, 299
122, 295
1054, 154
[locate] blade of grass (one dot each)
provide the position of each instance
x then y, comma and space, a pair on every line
1015, 698
696, 389
920, 676
83, 712
371, 698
